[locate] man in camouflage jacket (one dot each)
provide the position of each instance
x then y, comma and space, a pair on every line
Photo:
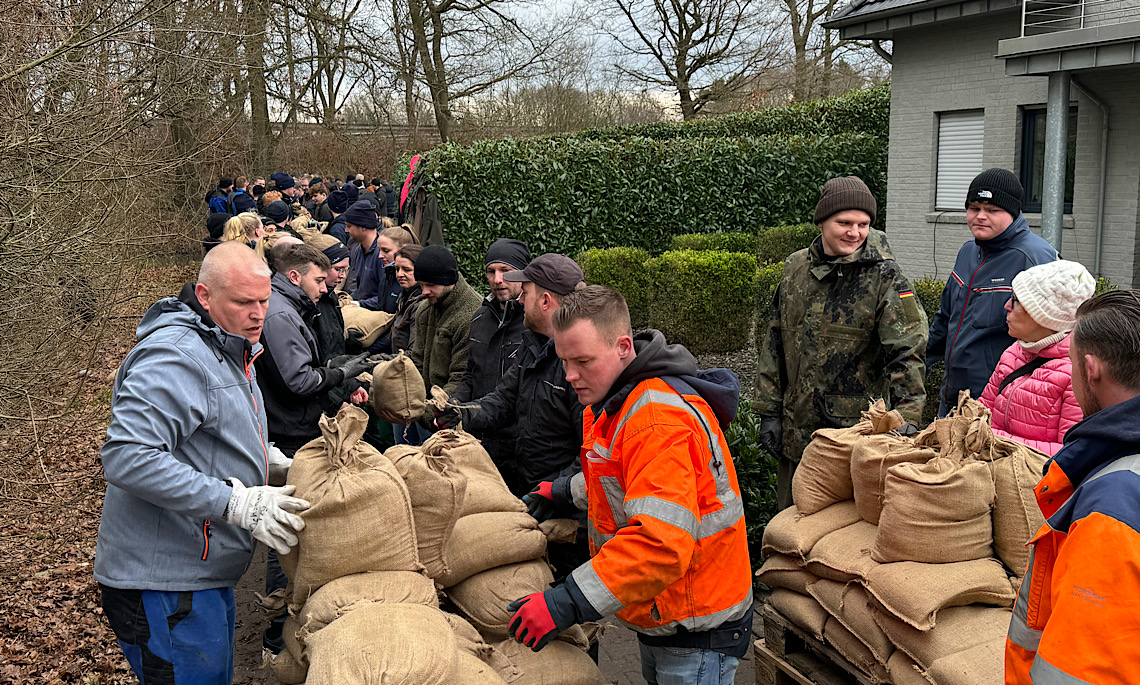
844, 327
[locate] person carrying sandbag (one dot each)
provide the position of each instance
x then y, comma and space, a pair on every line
844, 327
1075, 616
1031, 391
666, 521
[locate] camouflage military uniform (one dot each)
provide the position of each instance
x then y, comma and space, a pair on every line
840, 332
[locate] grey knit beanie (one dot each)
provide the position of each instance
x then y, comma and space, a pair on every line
845, 192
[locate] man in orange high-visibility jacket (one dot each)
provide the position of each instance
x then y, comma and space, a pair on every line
1077, 616
666, 522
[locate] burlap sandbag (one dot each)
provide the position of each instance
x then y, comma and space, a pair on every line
352, 489
486, 490
558, 663
870, 461
903, 671
823, 476
405, 644
470, 670
965, 430
363, 325
560, 530
484, 541
781, 570
853, 607
936, 513
483, 598
468, 640
794, 534
854, 651
979, 665
436, 489
844, 555
398, 394
958, 629
801, 610
915, 592
1015, 469
291, 665
338, 597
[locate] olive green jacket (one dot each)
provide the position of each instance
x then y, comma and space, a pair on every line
442, 337
840, 332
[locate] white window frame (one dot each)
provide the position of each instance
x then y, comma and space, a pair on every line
958, 154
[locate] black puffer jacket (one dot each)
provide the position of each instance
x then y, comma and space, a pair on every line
536, 395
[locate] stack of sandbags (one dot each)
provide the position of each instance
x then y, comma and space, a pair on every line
398, 394
495, 556
896, 557
361, 324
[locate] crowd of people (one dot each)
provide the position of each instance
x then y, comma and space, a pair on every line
585, 418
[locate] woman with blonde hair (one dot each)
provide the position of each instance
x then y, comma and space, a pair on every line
246, 227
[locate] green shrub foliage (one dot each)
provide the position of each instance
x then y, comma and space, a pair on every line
571, 194
778, 242
720, 241
859, 111
703, 300
1103, 285
756, 473
767, 278
929, 291
624, 270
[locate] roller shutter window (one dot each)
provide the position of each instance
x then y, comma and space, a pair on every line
960, 139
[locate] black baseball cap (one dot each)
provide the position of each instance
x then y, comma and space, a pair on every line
554, 272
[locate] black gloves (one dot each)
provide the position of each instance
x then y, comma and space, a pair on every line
772, 435
448, 417
354, 366
908, 430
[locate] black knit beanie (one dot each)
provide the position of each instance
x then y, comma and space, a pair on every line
846, 192
278, 212
361, 214
997, 187
338, 201
508, 251
216, 224
437, 265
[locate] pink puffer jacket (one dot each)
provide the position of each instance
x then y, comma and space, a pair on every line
1037, 409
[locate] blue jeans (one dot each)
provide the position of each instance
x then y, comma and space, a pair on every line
686, 666
174, 638
411, 434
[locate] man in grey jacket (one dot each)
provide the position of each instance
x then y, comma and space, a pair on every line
187, 433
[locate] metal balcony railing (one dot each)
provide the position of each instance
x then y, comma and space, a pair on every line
1050, 16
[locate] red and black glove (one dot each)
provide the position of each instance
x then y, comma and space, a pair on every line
540, 501
538, 618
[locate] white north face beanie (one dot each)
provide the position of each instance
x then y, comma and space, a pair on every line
1051, 293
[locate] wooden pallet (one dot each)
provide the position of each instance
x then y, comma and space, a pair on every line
788, 655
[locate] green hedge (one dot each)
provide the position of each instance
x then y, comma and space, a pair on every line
623, 269
704, 300
572, 194
719, 241
778, 242
859, 111
756, 473
766, 281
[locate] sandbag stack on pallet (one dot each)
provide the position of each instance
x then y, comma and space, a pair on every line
905, 554
384, 534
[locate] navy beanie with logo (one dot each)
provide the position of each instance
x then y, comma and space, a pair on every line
997, 187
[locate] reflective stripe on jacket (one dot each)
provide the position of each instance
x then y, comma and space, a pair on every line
666, 521
1077, 615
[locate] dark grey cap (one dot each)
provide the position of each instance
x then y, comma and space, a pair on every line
554, 272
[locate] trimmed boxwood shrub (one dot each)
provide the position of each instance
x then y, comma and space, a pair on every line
778, 242
861, 111
929, 292
704, 300
767, 278
720, 241
756, 473
572, 194
624, 270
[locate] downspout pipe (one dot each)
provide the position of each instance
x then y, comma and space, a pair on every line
1097, 267
877, 45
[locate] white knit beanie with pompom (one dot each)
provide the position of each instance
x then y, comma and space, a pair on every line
1051, 293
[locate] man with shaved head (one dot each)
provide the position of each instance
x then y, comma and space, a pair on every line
187, 463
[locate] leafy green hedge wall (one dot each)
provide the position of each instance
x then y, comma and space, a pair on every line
722, 241
859, 111
623, 269
703, 300
571, 194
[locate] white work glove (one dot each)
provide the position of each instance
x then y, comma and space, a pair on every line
267, 511
278, 466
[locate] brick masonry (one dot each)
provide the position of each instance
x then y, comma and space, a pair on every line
951, 66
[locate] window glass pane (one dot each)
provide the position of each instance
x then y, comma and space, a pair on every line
1034, 122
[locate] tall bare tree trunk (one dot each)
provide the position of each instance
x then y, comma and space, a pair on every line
257, 16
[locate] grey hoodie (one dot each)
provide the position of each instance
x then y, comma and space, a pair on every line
186, 414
